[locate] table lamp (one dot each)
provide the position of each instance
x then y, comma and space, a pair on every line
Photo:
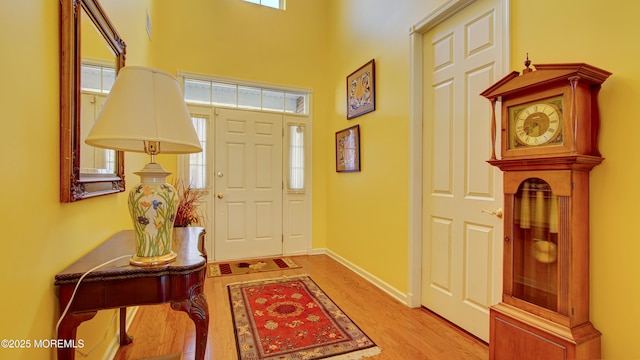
145, 112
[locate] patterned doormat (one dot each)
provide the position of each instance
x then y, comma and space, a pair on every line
292, 318
250, 266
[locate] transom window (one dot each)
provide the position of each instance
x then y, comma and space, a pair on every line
256, 97
276, 4
96, 78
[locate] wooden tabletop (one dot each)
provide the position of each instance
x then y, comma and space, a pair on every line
187, 243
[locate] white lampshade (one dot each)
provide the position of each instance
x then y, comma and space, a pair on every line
145, 104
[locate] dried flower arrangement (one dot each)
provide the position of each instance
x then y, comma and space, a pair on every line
187, 213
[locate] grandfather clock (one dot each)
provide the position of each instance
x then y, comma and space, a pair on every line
549, 144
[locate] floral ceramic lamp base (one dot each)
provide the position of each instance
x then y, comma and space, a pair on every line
152, 205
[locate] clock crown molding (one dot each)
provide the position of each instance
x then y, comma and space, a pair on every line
568, 120
567, 162
544, 75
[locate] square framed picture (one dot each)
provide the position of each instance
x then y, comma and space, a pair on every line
348, 149
361, 90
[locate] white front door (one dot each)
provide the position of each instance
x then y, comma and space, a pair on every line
462, 245
248, 184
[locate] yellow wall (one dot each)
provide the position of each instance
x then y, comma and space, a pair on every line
367, 219
314, 44
41, 236
599, 33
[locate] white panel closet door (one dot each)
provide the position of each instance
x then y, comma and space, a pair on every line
462, 245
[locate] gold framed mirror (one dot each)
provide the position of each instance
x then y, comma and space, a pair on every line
79, 181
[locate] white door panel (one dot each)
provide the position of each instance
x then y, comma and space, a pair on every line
462, 245
248, 184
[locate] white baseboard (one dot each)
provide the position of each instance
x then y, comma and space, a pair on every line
114, 344
317, 251
295, 253
390, 290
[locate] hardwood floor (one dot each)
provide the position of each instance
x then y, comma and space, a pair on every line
403, 333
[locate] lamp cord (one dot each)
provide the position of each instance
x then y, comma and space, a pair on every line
64, 313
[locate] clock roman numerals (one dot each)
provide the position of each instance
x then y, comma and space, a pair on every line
536, 124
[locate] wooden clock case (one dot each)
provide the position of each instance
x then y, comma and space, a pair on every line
544, 313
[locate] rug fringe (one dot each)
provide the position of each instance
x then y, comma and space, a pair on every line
289, 262
357, 355
270, 279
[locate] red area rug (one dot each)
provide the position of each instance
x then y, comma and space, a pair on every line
292, 318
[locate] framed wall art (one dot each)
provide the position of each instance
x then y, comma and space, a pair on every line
348, 149
361, 90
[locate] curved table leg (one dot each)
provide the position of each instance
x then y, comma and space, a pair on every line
198, 309
125, 339
67, 331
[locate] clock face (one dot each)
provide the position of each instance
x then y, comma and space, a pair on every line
537, 123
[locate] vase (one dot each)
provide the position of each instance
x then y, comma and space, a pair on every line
152, 205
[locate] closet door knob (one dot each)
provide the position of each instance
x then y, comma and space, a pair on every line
497, 212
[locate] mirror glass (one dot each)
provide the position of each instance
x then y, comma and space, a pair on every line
91, 54
97, 75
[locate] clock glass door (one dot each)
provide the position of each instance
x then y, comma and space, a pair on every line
535, 244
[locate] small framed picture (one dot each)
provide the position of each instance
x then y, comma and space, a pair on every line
361, 90
348, 149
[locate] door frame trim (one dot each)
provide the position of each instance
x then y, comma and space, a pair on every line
416, 72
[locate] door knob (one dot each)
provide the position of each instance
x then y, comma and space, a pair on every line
497, 213
220, 195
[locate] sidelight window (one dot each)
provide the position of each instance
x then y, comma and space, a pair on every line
296, 157
198, 161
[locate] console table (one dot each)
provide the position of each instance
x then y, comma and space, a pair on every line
118, 285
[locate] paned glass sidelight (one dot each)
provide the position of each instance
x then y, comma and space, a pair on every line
198, 161
296, 157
